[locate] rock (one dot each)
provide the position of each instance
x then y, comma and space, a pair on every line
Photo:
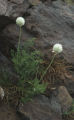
60, 100
10, 9
6, 70
17, 1
64, 98
11, 34
16, 8
53, 24
55, 105
39, 109
69, 83
8, 113
3, 7
1, 93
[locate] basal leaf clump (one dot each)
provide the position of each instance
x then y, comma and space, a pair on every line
27, 64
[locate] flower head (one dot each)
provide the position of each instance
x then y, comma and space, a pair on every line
20, 21
57, 48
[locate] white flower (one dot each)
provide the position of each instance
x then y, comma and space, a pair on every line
20, 21
57, 48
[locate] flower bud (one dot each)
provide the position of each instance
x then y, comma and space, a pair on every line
57, 48
20, 21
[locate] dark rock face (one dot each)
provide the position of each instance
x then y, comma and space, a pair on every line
64, 98
47, 109
53, 24
16, 8
8, 113
38, 109
10, 9
13, 36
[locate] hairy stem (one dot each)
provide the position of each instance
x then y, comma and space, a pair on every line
18, 49
47, 68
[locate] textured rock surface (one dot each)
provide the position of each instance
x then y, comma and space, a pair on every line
53, 24
64, 98
43, 108
3, 7
61, 101
8, 113
12, 37
39, 109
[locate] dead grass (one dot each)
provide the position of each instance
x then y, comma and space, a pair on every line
57, 73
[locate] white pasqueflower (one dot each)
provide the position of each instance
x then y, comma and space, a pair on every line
57, 48
20, 21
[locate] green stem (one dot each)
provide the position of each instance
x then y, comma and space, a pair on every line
18, 49
29, 83
47, 68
